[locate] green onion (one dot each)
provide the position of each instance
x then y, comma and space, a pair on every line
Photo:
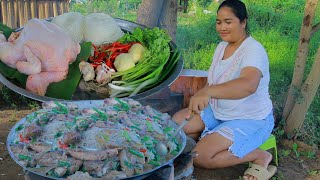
24, 157
58, 134
61, 109
105, 137
20, 127
137, 153
125, 106
64, 164
149, 125
30, 117
135, 127
153, 162
167, 129
126, 135
128, 164
174, 153
101, 114
145, 138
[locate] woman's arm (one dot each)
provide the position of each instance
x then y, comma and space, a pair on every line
245, 85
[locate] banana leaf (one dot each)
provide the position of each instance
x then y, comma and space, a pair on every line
65, 89
61, 90
5, 30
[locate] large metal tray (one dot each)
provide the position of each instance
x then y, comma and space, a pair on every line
181, 137
126, 26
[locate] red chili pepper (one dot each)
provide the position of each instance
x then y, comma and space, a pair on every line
95, 50
120, 48
98, 60
109, 63
62, 146
143, 150
114, 55
22, 139
148, 119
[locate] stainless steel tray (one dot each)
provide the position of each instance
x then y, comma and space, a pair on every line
126, 26
90, 104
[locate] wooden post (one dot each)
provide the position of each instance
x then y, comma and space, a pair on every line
41, 13
9, 14
21, 13
16, 14
33, 8
27, 11
50, 8
4, 12
46, 9
67, 6
61, 8
55, 8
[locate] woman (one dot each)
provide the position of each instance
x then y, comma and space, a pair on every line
233, 113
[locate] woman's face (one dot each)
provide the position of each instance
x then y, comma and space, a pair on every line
228, 25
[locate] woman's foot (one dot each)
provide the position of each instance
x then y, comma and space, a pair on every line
263, 160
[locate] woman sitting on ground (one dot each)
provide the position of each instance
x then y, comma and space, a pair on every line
233, 113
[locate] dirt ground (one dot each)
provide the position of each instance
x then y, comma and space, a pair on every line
290, 167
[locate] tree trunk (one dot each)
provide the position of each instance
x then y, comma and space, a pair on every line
302, 54
149, 12
159, 13
168, 18
308, 91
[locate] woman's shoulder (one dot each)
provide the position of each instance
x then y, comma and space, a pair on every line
254, 48
254, 44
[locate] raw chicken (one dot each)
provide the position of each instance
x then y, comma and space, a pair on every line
43, 51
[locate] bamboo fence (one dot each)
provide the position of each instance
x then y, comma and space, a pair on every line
15, 13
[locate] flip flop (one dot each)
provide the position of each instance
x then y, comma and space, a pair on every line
260, 172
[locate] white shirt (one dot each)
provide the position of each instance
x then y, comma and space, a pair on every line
257, 106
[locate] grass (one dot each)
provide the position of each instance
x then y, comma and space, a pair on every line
274, 23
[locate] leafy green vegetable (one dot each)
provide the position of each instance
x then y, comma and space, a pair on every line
152, 69
61, 90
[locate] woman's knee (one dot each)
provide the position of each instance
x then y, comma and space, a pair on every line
203, 157
194, 126
179, 116
202, 162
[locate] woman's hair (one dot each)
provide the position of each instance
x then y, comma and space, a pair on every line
238, 8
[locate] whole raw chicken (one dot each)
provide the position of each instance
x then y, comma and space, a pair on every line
42, 50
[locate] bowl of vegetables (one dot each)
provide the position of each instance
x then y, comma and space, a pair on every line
160, 65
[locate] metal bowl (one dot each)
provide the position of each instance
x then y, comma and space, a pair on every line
126, 26
181, 137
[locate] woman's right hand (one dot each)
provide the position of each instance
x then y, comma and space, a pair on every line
199, 101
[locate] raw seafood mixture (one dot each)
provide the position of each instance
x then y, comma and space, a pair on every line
112, 141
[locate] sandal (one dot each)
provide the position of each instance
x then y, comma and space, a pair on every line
260, 172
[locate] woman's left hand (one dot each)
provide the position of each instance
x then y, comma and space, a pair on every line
199, 101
